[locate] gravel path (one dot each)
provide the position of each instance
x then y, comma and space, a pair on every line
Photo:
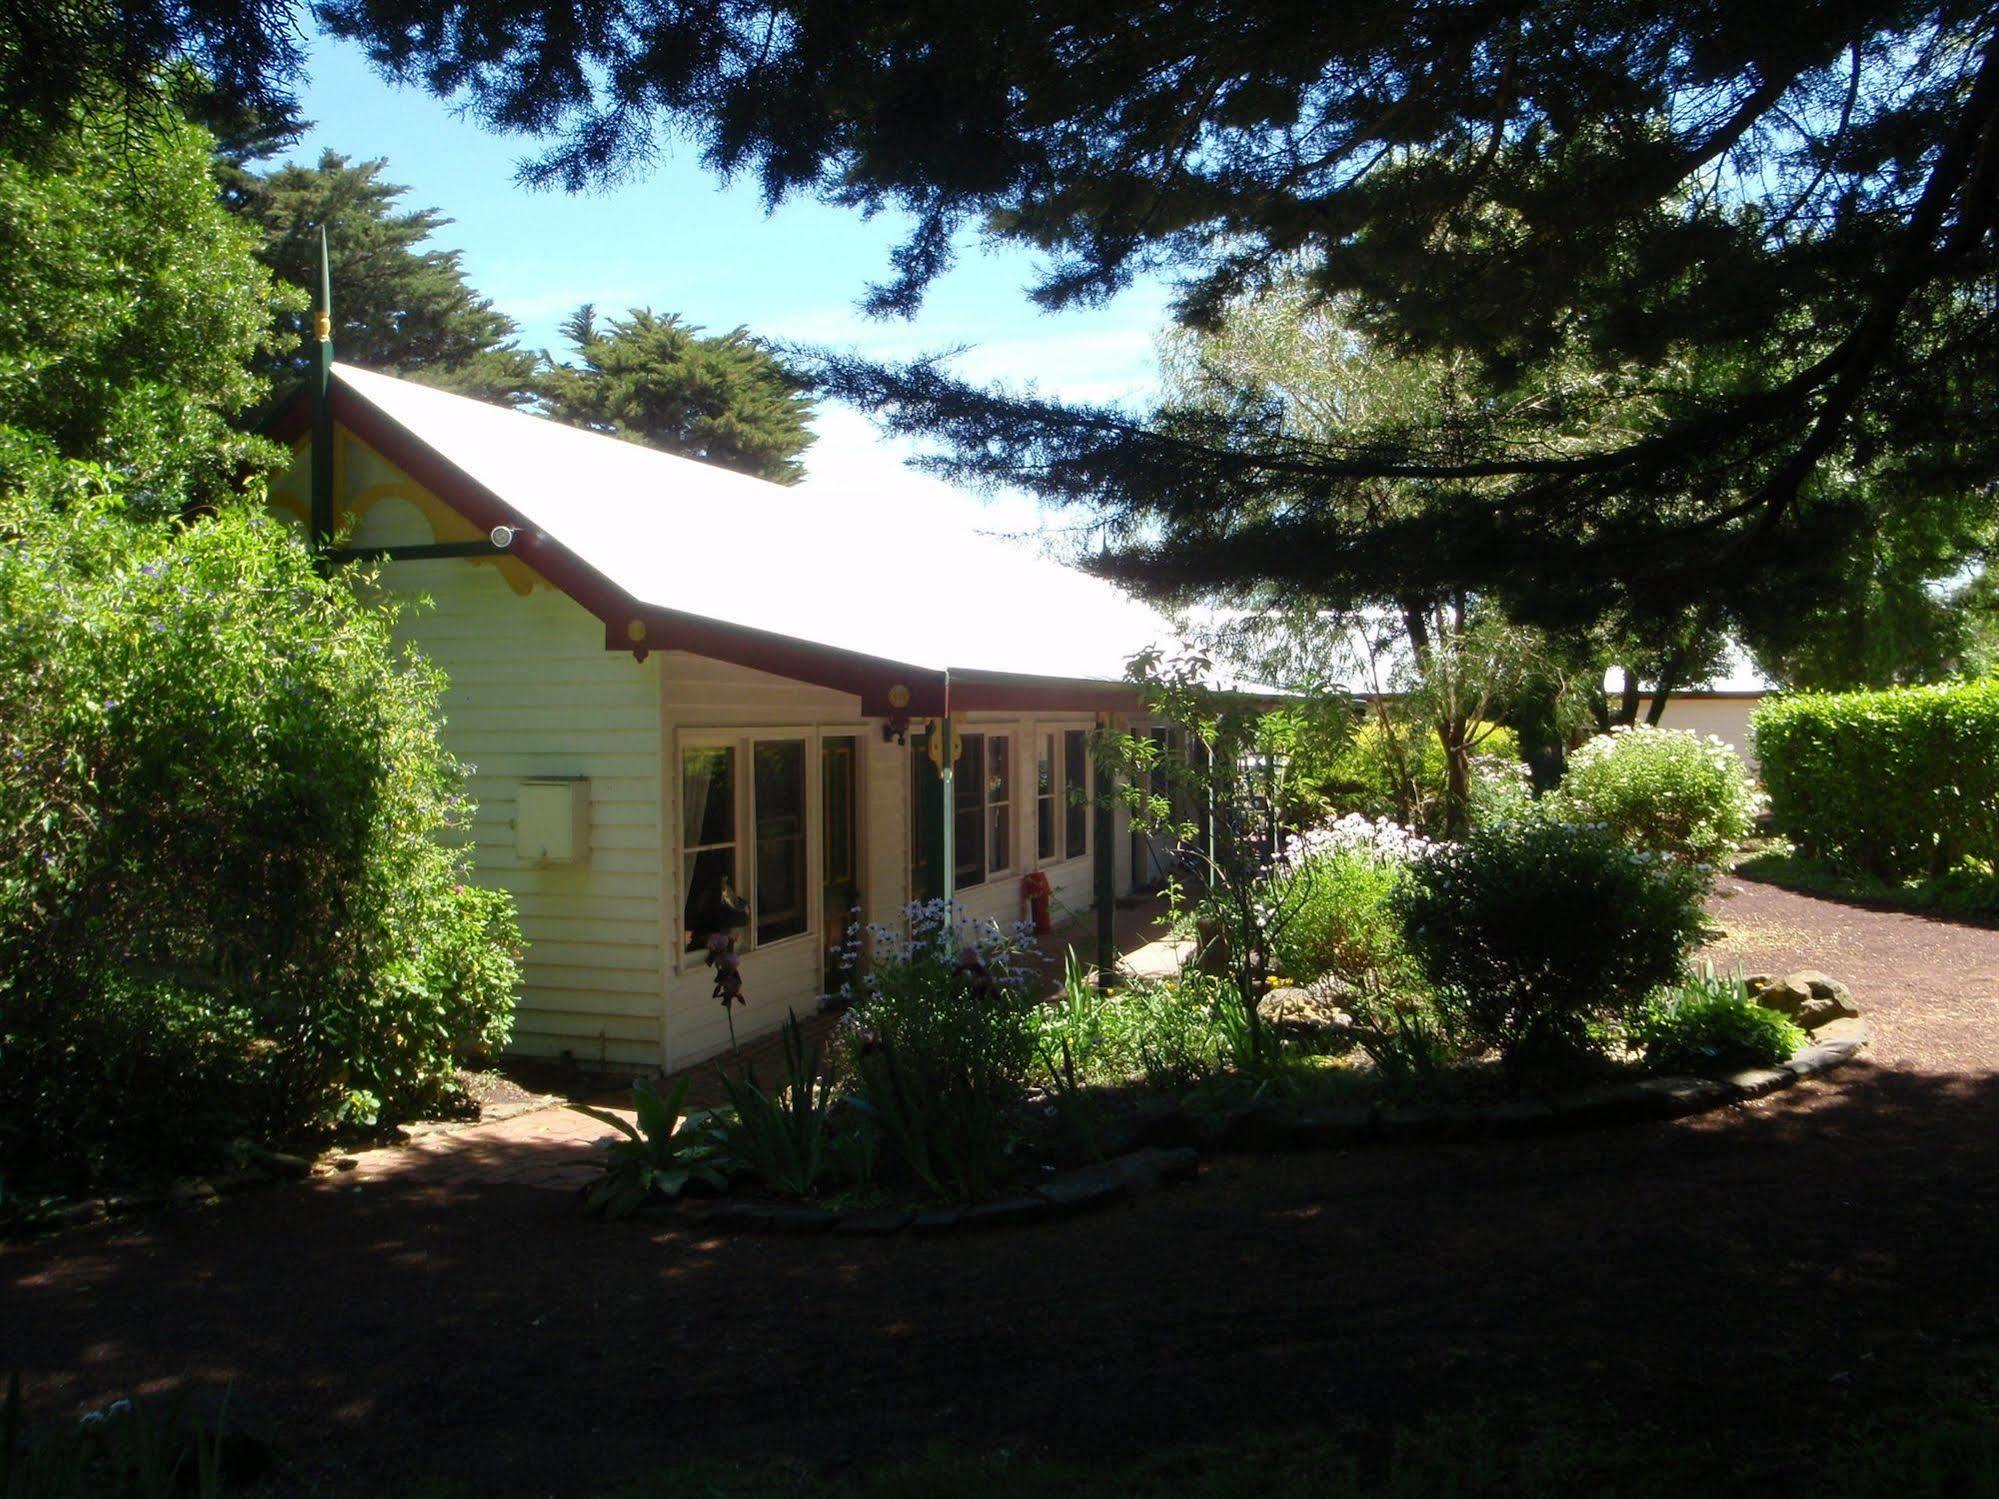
1791, 1259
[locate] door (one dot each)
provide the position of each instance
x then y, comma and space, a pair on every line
840, 840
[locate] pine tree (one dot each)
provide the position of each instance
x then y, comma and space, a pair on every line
723, 398
399, 307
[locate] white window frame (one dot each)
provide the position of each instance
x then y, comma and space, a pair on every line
744, 740
1059, 781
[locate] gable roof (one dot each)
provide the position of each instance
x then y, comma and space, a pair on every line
838, 589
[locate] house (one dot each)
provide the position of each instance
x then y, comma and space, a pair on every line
694, 701
1722, 711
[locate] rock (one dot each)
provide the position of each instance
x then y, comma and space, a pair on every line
1755, 983
1754, 1082
1153, 1167
1004, 1212
1814, 1013
1679, 1096
1300, 1012
1256, 1125
1794, 994
1079, 1191
876, 1223
1608, 1103
1320, 1129
282, 1163
1522, 1116
935, 1220
785, 1219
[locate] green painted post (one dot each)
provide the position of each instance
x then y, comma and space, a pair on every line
322, 408
1105, 868
947, 819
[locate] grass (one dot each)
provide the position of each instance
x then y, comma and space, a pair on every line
1969, 893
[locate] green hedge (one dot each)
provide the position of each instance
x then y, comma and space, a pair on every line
1895, 784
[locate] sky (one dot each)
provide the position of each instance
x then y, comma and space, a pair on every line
679, 240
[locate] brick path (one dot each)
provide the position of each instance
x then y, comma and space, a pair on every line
555, 1147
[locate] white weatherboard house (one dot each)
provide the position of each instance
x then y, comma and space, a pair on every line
695, 700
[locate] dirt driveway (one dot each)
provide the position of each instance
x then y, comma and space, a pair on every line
1791, 1259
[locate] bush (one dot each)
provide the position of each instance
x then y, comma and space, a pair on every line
1710, 1024
940, 1039
1897, 784
1663, 791
1533, 934
1338, 885
224, 903
1399, 773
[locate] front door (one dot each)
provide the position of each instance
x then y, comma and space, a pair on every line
839, 803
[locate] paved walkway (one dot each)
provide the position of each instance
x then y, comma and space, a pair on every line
555, 1147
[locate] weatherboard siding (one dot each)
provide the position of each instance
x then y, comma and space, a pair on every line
532, 693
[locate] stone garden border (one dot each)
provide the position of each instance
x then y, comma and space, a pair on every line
1164, 1154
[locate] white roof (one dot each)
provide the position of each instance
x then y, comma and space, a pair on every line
817, 561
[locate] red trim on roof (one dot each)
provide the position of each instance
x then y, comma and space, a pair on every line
871, 678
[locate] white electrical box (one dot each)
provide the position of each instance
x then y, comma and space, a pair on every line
552, 821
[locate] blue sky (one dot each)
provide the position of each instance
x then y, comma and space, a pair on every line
680, 240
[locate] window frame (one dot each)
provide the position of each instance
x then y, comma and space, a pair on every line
1070, 806
743, 739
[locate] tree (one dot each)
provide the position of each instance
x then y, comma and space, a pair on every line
722, 398
1434, 664
398, 307
132, 306
1775, 220
1902, 607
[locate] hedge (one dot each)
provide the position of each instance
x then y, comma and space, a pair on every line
1896, 784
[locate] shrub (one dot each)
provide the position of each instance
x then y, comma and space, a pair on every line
1338, 885
1534, 933
941, 1039
219, 843
1400, 773
1710, 1024
785, 1138
1663, 791
663, 1152
1896, 784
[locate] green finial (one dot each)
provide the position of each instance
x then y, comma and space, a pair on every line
323, 324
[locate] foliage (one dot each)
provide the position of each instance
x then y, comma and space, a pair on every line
1969, 890
131, 306
663, 1153
722, 398
785, 1139
940, 1040
1664, 792
1895, 784
1397, 770
1233, 766
129, 1450
1533, 934
1344, 878
398, 307
1709, 1024
223, 892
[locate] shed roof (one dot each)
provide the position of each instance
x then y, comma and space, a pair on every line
837, 591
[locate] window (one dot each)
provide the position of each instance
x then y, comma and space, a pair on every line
1076, 787
708, 846
760, 894
1045, 799
779, 802
999, 804
968, 822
